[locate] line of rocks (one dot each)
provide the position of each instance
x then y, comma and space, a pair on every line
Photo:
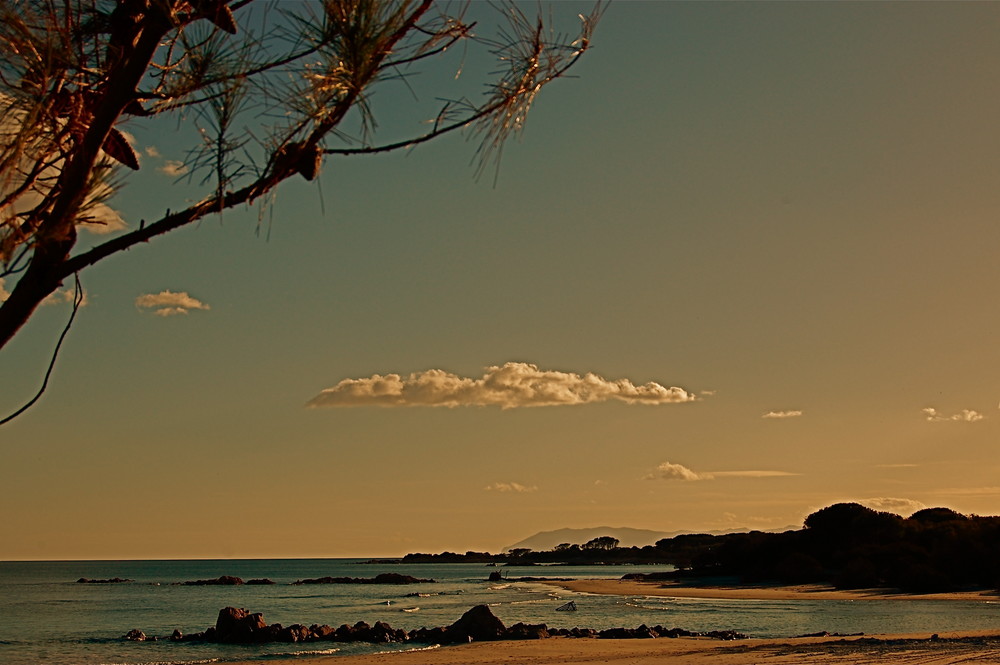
231, 580
240, 626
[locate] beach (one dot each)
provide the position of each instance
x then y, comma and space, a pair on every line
948, 649
759, 592
944, 648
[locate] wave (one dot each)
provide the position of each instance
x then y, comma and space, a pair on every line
427, 648
172, 662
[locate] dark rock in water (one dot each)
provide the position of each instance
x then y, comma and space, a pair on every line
294, 633
239, 626
726, 635
436, 635
383, 578
260, 581
478, 624
495, 576
113, 580
225, 580
323, 632
525, 631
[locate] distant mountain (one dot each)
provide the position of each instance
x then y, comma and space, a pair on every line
627, 536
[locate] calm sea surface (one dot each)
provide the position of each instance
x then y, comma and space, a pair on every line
46, 617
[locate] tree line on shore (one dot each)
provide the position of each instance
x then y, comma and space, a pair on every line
846, 545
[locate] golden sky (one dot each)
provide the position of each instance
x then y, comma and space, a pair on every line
742, 267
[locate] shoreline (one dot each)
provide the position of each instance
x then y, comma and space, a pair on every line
944, 648
759, 592
951, 648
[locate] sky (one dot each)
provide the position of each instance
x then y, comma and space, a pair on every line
739, 267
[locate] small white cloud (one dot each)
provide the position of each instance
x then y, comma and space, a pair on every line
102, 219
173, 168
965, 415
510, 487
152, 151
57, 297
169, 303
904, 507
509, 386
671, 471
782, 414
61, 296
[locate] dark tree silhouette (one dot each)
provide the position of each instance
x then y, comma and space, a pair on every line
271, 85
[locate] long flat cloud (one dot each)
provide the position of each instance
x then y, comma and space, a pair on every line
672, 471
509, 386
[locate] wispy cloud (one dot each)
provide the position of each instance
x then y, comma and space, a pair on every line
965, 416
510, 487
169, 303
970, 491
895, 466
509, 386
173, 167
782, 414
672, 471
904, 507
152, 151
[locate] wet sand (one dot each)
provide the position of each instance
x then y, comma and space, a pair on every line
917, 649
761, 592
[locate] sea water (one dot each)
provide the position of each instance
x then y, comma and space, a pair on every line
47, 617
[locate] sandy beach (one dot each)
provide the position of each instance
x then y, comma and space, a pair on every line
761, 592
949, 649
946, 648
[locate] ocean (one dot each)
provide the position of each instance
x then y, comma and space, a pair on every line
47, 617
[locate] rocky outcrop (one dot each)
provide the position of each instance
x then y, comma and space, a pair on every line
113, 580
240, 626
479, 624
224, 580
383, 578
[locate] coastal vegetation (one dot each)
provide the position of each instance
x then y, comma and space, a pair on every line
846, 545
269, 91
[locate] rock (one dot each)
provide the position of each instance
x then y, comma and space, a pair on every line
294, 633
135, 635
323, 632
113, 580
478, 624
177, 635
495, 576
525, 631
239, 626
382, 578
225, 580
260, 581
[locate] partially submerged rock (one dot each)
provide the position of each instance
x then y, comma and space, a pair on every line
479, 624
